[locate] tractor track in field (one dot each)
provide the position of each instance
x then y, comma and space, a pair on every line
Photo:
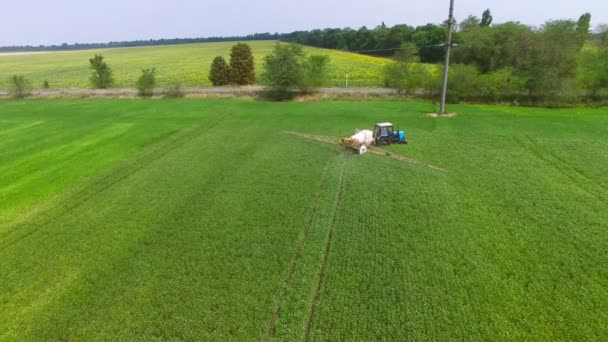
563, 167
101, 183
316, 298
297, 255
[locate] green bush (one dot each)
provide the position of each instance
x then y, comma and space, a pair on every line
398, 74
20, 87
219, 75
287, 70
146, 82
418, 77
242, 65
283, 66
592, 69
394, 76
102, 74
316, 71
464, 82
497, 85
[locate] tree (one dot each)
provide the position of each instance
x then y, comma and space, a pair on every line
430, 39
602, 33
20, 87
397, 74
549, 68
283, 68
287, 68
498, 84
469, 23
45, 84
146, 82
242, 64
583, 24
486, 18
582, 28
496, 47
219, 75
592, 71
407, 53
464, 82
316, 72
102, 74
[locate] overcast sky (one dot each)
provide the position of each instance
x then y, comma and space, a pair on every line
37, 22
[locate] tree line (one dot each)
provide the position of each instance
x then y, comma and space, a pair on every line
559, 62
137, 43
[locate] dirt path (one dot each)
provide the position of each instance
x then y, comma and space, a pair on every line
197, 92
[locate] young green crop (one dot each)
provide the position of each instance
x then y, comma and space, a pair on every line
201, 220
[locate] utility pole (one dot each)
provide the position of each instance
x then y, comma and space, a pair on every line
448, 48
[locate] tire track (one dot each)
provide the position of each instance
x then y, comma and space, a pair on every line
297, 256
563, 167
103, 182
325, 257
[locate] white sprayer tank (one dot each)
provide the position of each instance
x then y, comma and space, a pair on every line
364, 139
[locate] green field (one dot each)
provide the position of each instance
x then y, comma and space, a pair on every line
187, 64
201, 220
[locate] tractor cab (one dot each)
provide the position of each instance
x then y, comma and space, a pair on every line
385, 134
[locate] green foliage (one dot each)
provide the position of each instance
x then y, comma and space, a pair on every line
408, 53
550, 69
420, 77
486, 18
288, 69
220, 72
395, 75
602, 34
543, 62
469, 23
102, 74
316, 70
20, 87
496, 47
583, 25
430, 38
284, 71
592, 72
284, 67
404, 74
146, 83
497, 85
45, 84
242, 65
464, 82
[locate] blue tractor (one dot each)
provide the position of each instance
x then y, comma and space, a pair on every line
385, 134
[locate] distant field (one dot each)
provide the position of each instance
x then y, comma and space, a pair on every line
199, 220
187, 64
